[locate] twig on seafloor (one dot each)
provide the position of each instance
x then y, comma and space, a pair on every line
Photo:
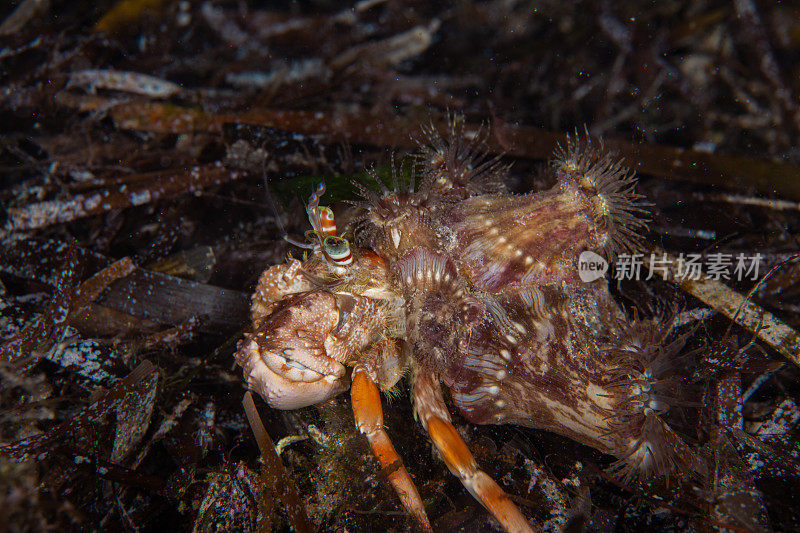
766, 326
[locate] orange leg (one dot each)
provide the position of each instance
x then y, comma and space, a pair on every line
433, 415
369, 420
461, 463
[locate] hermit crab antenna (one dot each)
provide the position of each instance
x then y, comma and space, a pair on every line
271, 201
313, 206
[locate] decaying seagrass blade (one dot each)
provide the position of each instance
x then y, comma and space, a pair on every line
74, 429
274, 474
139, 292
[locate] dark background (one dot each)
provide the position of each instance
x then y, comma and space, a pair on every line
700, 97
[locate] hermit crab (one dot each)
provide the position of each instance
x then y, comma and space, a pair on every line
474, 293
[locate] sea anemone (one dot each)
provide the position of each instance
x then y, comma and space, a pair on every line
648, 383
605, 187
455, 164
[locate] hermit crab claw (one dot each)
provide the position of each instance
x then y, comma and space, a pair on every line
287, 359
279, 390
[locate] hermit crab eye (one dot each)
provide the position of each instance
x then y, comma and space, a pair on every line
338, 249
325, 221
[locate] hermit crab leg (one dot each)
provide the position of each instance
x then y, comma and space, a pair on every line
462, 464
369, 419
459, 460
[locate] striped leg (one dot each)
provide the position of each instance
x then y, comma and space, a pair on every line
459, 460
369, 420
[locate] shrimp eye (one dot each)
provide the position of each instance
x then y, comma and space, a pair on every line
338, 249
